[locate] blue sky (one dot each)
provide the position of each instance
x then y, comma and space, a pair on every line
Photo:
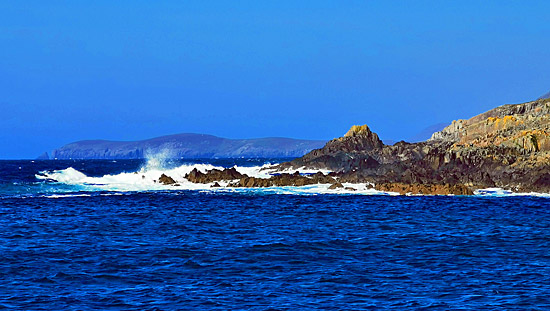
128, 70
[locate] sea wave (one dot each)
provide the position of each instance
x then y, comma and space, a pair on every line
499, 192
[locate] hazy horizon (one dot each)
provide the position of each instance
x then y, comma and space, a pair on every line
137, 70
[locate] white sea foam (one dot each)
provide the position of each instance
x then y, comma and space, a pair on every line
499, 192
59, 196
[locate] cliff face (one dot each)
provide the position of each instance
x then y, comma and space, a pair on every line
507, 147
525, 127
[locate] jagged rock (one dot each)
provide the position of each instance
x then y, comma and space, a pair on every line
335, 186
252, 182
282, 180
166, 180
215, 185
197, 176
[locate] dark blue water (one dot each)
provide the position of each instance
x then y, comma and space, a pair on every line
181, 250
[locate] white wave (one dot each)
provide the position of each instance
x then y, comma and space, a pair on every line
58, 196
67, 176
499, 192
270, 169
144, 179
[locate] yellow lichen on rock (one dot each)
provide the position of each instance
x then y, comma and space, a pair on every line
357, 130
508, 125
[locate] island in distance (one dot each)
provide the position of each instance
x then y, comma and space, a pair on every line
188, 146
507, 147
199, 146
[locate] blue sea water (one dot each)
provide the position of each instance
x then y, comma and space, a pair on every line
66, 246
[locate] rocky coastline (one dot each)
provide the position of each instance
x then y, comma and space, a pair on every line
507, 147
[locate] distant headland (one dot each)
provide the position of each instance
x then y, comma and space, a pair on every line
187, 145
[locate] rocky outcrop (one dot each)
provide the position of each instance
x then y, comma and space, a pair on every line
166, 180
242, 180
282, 180
213, 175
525, 127
507, 147
336, 186
335, 155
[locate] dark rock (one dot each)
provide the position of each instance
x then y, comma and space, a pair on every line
166, 180
336, 186
252, 182
283, 180
197, 176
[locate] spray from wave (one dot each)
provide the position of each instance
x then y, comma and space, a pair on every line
157, 160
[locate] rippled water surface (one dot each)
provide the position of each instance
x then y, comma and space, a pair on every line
180, 250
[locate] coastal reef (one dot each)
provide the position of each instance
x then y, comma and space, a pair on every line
237, 179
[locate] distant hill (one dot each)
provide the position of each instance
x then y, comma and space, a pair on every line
187, 145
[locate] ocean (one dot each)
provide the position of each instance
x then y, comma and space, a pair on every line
103, 235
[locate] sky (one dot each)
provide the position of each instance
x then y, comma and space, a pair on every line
131, 70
